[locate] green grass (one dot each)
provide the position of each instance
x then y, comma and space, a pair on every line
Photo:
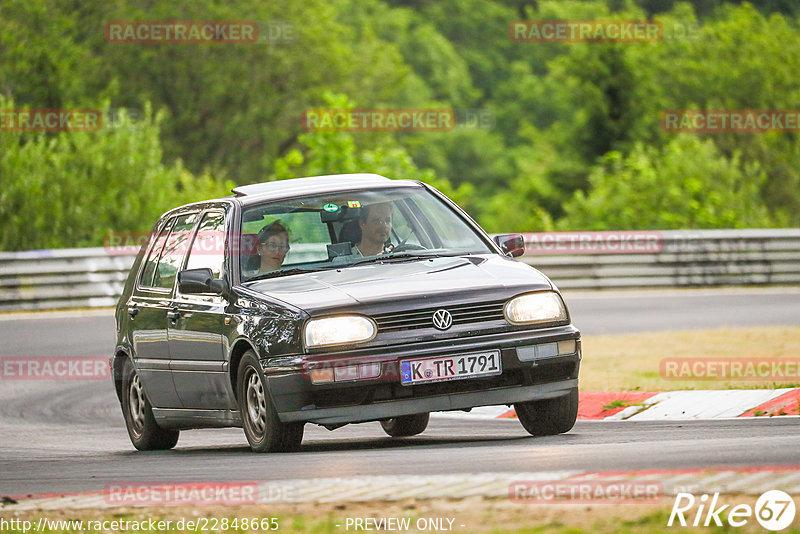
633, 362
478, 515
616, 403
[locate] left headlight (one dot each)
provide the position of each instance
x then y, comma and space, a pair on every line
339, 330
545, 307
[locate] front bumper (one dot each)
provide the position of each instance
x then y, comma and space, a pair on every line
297, 399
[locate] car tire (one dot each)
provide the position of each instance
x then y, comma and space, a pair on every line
143, 430
262, 427
549, 417
406, 425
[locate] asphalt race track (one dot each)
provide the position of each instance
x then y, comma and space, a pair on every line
68, 436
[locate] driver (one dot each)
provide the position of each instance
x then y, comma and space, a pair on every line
376, 226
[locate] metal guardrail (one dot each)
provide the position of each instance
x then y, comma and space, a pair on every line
694, 258
93, 277
61, 278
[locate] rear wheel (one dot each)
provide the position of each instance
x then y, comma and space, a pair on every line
406, 425
262, 427
549, 416
143, 430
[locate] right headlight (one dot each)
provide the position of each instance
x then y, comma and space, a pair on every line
545, 307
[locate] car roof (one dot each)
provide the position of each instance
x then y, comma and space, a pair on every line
248, 194
255, 193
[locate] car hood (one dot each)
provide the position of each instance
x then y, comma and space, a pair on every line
394, 281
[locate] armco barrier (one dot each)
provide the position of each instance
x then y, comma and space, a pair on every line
682, 258
91, 277
61, 278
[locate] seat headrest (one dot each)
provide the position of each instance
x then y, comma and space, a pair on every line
351, 232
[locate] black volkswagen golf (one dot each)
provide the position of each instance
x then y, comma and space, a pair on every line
334, 300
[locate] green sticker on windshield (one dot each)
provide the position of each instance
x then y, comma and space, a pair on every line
330, 207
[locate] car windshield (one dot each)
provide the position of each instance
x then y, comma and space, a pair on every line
337, 230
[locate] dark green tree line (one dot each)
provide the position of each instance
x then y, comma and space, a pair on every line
574, 135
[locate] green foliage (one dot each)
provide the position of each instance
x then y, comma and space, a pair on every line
523, 206
576, 134
741, 60
43, 62
73, 188
467, 156
336, 152
707, 7
687, 184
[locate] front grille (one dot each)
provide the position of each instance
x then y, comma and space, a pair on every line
462, 314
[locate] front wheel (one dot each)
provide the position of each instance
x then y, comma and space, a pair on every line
406, 425
549, 416
143, 430
262, 427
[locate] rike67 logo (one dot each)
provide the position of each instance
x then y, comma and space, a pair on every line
774, 510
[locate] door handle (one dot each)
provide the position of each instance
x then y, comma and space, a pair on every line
173, 315
133, 311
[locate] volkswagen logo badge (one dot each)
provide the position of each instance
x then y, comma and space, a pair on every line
442, 319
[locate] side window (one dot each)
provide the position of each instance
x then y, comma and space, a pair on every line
174, 251
208, 249
146, 279
403, 230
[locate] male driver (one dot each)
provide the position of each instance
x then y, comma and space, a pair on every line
376, 225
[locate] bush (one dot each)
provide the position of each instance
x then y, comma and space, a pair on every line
70, 189
687, 184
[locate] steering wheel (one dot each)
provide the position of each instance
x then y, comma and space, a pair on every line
402, 247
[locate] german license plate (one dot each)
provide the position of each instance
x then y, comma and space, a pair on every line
441, 368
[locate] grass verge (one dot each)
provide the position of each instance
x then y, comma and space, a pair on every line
472, 515
632, 362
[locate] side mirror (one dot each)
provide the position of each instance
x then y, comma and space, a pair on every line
194, 281
511, 244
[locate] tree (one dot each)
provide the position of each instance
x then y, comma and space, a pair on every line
337, 153
687, 184
74, 188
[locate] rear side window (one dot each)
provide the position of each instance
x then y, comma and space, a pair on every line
174, 251
208, 249
146, 279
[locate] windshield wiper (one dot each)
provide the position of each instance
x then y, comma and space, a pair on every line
397, 256
284, 272
390, 257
